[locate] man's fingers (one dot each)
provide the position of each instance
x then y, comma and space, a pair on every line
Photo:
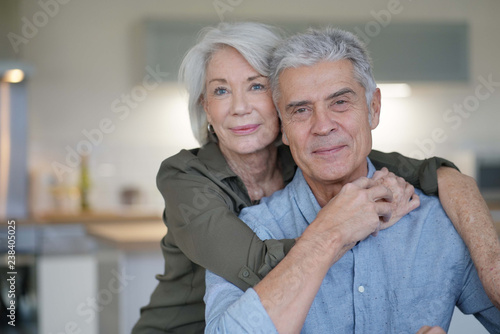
364, 182
380, 174
414, 202
384, 210
380, 192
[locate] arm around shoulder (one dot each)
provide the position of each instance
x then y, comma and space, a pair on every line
199, 213
470, 215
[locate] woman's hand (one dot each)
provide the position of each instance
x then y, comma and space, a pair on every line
431, 330
404, 198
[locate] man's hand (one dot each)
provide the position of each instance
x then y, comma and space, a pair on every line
354, 213
404, 199
431, 330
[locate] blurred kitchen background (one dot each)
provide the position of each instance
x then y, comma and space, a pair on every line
90, 106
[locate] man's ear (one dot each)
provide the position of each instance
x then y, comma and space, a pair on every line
375, 106
284, 138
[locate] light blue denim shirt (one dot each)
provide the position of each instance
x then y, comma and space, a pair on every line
410, 275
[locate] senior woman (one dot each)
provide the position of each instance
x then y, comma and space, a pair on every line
233, 117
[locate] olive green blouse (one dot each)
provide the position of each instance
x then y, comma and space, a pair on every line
203, 198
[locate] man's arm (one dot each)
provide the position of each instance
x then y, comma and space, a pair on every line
471, 217
287, 292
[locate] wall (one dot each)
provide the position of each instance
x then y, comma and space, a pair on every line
88, 54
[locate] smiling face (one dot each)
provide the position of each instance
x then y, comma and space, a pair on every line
325, 123
238, 104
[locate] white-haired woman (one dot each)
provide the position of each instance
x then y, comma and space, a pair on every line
234, 119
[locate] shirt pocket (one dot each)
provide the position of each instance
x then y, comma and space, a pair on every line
414, 307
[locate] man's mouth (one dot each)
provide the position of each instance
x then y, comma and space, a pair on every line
329, 150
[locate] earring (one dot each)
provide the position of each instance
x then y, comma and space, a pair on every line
210, 128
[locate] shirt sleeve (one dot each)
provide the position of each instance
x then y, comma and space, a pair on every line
421, 174
200, 216
230, 310
473, 300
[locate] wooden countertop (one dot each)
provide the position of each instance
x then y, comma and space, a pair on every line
124, 230
94, 217
131, 235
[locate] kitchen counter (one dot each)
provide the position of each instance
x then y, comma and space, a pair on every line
130, 235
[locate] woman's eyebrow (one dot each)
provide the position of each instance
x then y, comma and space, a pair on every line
255, 77
218, 80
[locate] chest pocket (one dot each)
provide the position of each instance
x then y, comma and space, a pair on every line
414, 307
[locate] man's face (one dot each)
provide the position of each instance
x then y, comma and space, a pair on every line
325, 121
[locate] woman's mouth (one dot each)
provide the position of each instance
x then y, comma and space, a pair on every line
245, 129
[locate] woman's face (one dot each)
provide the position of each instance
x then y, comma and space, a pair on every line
238, 104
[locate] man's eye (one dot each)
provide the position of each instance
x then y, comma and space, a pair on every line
340, 105
220, 91
300, 110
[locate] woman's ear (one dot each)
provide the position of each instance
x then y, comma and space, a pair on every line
203, 102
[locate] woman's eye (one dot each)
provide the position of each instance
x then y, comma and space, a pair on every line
220, 91
258, 86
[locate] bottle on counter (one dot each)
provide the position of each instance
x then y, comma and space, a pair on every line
84, 184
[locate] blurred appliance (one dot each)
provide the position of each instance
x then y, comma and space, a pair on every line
13, 141
488, 177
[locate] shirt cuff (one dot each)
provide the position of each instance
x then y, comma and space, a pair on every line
248, 315
428, 174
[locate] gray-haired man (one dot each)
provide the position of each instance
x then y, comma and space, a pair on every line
399, 281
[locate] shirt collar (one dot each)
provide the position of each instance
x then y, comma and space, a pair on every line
304, 197
213, 158
215, 162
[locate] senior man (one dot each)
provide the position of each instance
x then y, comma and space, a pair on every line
410, 275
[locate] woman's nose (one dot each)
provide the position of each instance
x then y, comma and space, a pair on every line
240, 105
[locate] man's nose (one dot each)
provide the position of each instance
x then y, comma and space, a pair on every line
240, 104
323, 122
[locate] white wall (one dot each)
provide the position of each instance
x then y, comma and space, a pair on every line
90, 53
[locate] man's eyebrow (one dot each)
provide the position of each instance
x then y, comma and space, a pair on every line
338, 93
341, 92
297, 104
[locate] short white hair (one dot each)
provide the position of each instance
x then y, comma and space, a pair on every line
254, 41
314, 46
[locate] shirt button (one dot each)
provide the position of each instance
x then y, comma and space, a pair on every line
246, 273
361, 289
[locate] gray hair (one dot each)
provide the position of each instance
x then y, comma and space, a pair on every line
254, 41
314, 46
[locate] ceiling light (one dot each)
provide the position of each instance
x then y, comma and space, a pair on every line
395, 90
13, 76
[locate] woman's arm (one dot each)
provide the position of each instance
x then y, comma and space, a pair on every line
200, 216
462, 202
469, 213
422, 174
